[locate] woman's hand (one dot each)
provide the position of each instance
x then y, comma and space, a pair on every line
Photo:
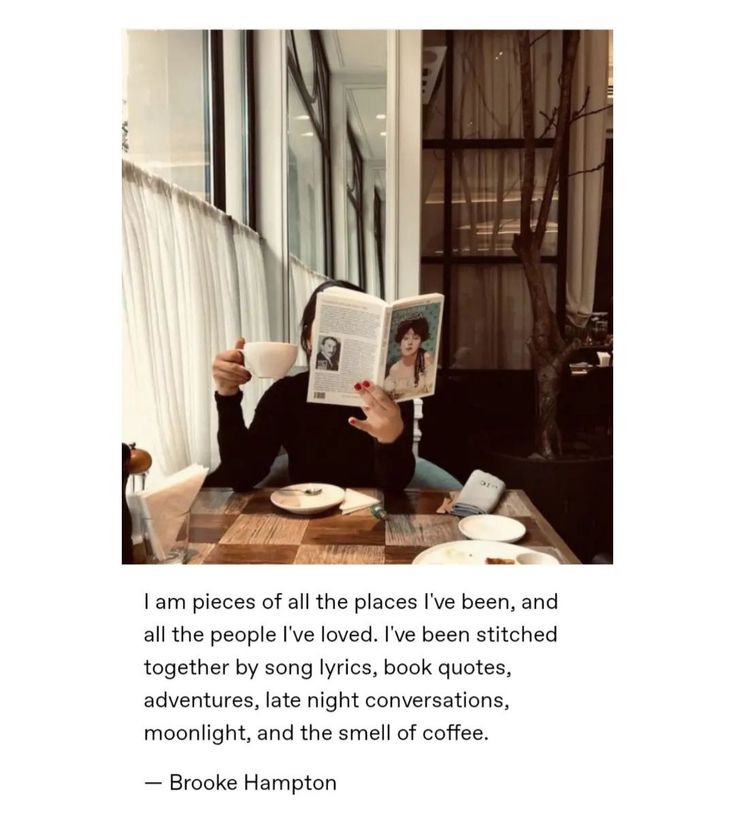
228, 370
382, 416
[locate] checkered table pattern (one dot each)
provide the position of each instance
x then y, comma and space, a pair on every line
246, 528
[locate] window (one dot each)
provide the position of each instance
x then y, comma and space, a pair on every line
166, 103
309, 156
471, 174
188, 113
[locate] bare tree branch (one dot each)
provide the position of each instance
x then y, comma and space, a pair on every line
550, 121
588, 170
549, 351
536, 39
583, 106
529, 150
576, 117
565, 103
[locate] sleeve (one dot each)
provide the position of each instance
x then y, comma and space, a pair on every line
247, 454
394, 462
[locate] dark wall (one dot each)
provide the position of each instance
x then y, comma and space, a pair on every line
604, 280
499, 405
469, 402
476, 418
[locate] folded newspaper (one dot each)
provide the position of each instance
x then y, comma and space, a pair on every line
358, 337
163, 509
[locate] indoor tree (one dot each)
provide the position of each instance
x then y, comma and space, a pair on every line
550, 352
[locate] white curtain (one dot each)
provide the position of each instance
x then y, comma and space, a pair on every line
303, 282
491, 307
586, 151
193, 281
487, 82
488, 92
491, 317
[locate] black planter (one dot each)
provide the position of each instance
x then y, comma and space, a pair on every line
575, 495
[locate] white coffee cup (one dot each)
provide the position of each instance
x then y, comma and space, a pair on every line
266, 359
604, 358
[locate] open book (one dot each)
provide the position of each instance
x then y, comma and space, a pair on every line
358, 337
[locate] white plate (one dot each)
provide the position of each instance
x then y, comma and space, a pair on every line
471, 552
329, 497
491, 527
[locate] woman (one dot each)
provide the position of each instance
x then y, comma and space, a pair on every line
324, 443
412, 373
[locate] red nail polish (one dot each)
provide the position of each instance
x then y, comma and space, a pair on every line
366, 383
357, 387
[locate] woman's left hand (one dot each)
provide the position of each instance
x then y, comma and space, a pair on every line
383, 419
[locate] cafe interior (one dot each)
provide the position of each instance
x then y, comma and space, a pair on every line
260, 164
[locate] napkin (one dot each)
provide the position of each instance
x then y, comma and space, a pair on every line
162, 508
480, 494
356, 501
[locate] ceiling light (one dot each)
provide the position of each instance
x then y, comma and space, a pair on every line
302, 116
382, 133
380, 116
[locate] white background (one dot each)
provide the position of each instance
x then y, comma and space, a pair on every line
630, 713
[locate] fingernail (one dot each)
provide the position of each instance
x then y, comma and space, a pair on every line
366, 383
357, 387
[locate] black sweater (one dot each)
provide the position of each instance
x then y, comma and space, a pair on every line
322, 446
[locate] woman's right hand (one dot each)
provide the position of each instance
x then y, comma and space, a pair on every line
228, 370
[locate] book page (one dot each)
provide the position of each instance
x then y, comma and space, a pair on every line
413, 347
347, 335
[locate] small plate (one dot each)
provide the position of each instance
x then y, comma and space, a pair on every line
491, 527
471, 552
329, 497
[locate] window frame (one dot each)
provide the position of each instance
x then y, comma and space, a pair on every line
378, 213
212, 80
318, 109
217, 121
247, 46
355, 199
451, 145
218, 160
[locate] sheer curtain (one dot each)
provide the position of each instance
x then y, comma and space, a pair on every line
586, 151
488, 94
487, 82
491, 309
193, 281
491, 316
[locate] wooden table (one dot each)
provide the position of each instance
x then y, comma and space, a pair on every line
246, 528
